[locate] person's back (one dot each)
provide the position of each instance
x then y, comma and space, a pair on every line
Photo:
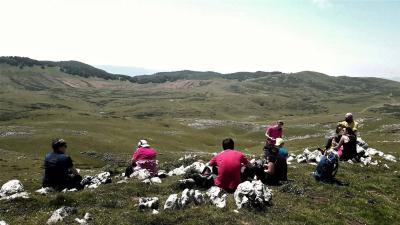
143, 158
229, 163
59, 172
56, 165
229, 167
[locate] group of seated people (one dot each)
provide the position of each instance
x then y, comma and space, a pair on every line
342, 146
345, 140
228, 168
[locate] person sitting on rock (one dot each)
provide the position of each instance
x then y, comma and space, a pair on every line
349, 143
143, 158
334, 140
276, 167
349, 122
59, 171
229, 163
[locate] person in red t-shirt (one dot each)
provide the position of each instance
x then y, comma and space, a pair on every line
229, 163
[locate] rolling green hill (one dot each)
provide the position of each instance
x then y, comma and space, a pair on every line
191, 112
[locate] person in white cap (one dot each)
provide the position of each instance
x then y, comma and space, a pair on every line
282, 151
143, 158
349, 122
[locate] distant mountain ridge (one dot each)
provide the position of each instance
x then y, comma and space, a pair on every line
276, 79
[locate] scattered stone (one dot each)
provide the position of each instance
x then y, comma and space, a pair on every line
217, 197
177, 171
252, 194
390, 158
366, 161
172, 202
155, 180
84, 220
13, 189
141, 174
155, 212
386, 166
187, 157
186, 183
148, 203
196, 166
45, 190
122, 182
162, 174
69, 190
96, 181
2, 222
60, 214
198, 197
186, 197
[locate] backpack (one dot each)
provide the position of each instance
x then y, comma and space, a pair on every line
327, 166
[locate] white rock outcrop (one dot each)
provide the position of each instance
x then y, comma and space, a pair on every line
217, 196
177, 171
59, 214
148, 203
45, 190
13, 189
172, 202
85, 220
141, 174
252, 194
96, 181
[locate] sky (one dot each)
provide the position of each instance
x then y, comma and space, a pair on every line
354, 38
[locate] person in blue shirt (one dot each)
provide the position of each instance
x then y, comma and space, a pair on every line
283, 152
59, 171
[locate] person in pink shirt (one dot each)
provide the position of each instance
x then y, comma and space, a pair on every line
229, 163
274, 132
143, 158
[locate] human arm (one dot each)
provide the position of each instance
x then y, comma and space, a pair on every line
271, 168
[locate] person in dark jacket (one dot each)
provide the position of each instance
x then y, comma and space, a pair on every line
59, 171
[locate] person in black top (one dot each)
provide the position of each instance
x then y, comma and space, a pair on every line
59, 171
349, 143
276, 166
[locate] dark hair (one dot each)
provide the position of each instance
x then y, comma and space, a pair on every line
228, 143
339, 127
350, 131
58, 143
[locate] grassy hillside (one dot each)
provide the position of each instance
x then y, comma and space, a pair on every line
192, 114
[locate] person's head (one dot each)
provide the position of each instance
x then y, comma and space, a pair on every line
279, 123
59, 145
348, 117
228, 143
339, 128
279, 142
143, 144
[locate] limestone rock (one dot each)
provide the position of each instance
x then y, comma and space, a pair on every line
148, 203
11, 187
252, 194
172, 202
45, 190
217, 197
60, 214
